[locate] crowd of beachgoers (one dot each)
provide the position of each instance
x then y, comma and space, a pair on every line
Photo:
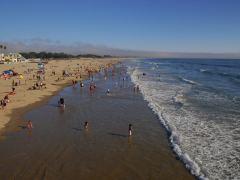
92, 87
23, 84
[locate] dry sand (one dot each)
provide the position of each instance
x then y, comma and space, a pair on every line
59, 147
25, 99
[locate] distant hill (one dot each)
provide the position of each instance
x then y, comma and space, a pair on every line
56, 55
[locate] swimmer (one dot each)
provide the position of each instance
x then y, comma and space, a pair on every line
130, 129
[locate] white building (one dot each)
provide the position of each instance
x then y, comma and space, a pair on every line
2, 57
13, 58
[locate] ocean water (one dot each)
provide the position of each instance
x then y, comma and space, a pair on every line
198, 102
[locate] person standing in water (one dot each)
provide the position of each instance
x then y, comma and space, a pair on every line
61, 102
138, 88
130, 130
86, 125
29, 124
81, 84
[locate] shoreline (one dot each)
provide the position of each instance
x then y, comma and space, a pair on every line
13, 116
60, 140
16, 117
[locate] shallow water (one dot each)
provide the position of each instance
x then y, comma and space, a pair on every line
59, 147
198, 102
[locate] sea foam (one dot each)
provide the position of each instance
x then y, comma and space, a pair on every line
174, 137
199, 107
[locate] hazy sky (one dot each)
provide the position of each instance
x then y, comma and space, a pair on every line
151, 25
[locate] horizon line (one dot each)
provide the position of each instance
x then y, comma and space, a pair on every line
77, 48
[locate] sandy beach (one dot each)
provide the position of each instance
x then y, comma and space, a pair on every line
26, 99
59, 147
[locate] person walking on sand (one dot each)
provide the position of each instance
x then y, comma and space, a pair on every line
3, 104
6, 99
130, 130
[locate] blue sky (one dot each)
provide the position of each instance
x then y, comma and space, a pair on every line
152, 25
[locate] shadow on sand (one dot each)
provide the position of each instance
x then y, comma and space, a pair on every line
118, 135
77, 129
53, 105
23, 127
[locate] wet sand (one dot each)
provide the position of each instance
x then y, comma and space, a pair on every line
25, 99
58, 147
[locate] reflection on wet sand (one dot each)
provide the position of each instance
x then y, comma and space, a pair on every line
61, 147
